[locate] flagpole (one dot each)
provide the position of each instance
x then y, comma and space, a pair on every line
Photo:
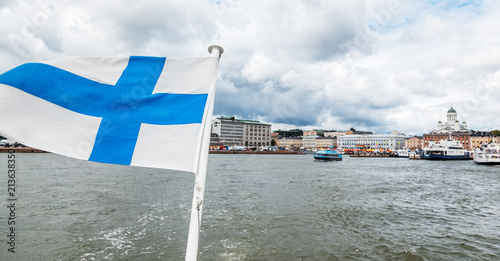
193, 243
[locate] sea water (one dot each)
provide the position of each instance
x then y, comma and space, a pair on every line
257, 207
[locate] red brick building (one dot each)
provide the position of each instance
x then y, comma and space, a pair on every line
464, 138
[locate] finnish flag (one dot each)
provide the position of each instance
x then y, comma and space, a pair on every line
140, 111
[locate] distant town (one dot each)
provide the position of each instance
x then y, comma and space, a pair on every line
239, 134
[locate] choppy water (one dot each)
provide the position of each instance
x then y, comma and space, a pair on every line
257, 207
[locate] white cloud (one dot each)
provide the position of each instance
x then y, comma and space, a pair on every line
377, 65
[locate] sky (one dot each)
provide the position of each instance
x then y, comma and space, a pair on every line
376, 65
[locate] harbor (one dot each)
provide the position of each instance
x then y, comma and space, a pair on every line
258, 207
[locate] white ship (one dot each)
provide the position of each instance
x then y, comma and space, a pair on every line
488, 154
445, 150
402, 153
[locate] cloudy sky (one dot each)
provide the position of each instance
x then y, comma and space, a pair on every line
374, 65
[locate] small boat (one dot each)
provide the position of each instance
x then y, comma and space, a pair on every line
402, 154
445, 150
488, 154
327, 155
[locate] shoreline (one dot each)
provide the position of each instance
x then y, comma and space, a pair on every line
21, 150
33, 150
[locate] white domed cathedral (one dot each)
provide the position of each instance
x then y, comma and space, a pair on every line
452, 128
452, 124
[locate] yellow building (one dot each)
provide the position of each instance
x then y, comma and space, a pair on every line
310, 133
476, 140
293, 143
326, 143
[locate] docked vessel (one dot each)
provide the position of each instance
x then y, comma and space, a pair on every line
402, 153
488, 154
414, 155
327, 155
445, 150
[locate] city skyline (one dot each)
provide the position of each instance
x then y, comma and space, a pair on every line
379, 65
441, 125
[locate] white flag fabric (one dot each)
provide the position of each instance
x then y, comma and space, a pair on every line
139, 111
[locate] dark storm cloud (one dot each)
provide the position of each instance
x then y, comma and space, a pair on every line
380, 65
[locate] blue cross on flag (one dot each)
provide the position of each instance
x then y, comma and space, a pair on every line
140, 111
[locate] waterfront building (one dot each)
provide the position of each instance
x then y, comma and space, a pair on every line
414, 143
371, 141
318, 142
215, 142
334, 133
481, 138
464, 138
452, 124
326, 143
256, 134
230, 131
281, 143
309, 142
236, 132
293, 143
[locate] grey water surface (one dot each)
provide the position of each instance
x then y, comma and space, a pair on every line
257, 207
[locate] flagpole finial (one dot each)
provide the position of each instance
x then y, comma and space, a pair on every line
215, 50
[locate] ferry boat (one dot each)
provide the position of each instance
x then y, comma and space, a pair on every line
414, 155
488, 154
402, 153
327, 155
445, 150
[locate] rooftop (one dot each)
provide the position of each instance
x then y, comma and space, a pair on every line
232, 118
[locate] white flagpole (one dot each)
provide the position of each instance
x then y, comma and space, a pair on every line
193, 243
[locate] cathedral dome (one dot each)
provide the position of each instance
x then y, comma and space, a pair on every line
451, 110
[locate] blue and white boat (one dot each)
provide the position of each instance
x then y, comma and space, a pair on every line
445, 150
327, 155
